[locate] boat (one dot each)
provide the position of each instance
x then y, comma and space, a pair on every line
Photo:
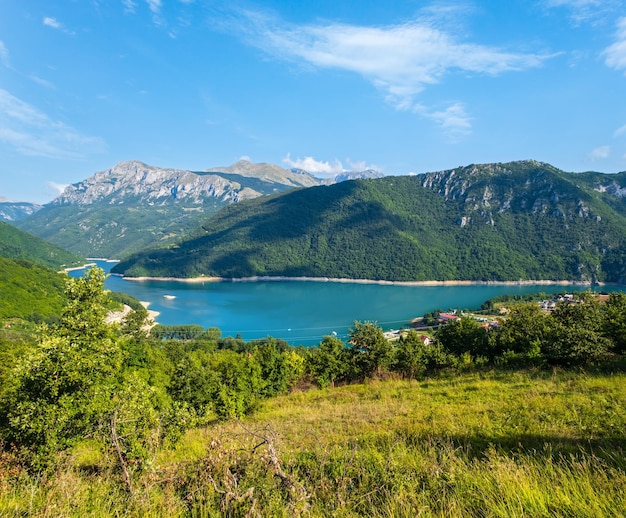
169, 297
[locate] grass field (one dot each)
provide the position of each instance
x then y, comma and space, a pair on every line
478, 444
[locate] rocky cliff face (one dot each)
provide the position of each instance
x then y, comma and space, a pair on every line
135, 181
524, 186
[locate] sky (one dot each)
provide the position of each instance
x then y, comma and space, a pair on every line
403, 87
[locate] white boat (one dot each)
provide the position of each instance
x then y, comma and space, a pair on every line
169, 297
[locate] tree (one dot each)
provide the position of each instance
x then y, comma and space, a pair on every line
410, 355
63, 388
614, 324
371, 351
327, 363
274, 367
74, 386
465, 336
524, 332
576, 337
414, 357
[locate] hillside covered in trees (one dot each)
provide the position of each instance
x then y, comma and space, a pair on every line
17, 244
494, 222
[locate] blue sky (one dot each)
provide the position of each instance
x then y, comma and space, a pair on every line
400, 86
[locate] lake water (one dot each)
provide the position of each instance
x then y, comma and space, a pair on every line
302, 312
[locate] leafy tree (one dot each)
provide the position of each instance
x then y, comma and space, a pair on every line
524, 332
465, 336
327, 363
74, 385
414, 358
195, 381
410, 355
576, 337
371, 351
615, 321
62, 389
274, 367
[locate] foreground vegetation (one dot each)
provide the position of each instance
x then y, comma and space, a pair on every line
476, 444
102, 419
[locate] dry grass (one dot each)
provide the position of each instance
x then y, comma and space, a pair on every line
478, 444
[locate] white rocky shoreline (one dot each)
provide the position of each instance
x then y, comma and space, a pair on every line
270, 278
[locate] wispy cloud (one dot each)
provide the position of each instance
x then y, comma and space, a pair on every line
587, 11
155, 6
4, 55
615, 55
31, 132
55, 24
41, 81
129, 6
620, 131
400, 60
453, 120
314, 166
600, 153
57, 188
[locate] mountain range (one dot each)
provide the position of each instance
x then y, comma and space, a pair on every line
132, 206
515, 221
16, 210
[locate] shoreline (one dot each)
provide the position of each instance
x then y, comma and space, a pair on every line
269, 278
152, 315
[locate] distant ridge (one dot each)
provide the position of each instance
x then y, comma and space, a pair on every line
132, 205
512, 221
16, 210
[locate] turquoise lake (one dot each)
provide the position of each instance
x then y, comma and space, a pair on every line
302, 312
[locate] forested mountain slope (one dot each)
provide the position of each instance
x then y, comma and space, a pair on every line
17, 244
493, 222
30, 291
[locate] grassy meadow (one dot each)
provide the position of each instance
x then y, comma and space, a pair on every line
483, 443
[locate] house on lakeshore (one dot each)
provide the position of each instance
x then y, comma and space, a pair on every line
447, 317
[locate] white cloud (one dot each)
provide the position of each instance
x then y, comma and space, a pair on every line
55, 24
52, 22
361, 165
313, 166
583, 11
57, 188
615, 55
620, 131
600, 153
154, 5
129, 6
155, 8
4, 55
41, 81
29, 131
400, 60
453, 120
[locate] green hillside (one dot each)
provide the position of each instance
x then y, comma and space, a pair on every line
17, 244
496, 222
29, 291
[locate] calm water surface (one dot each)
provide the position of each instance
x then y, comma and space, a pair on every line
302, 312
